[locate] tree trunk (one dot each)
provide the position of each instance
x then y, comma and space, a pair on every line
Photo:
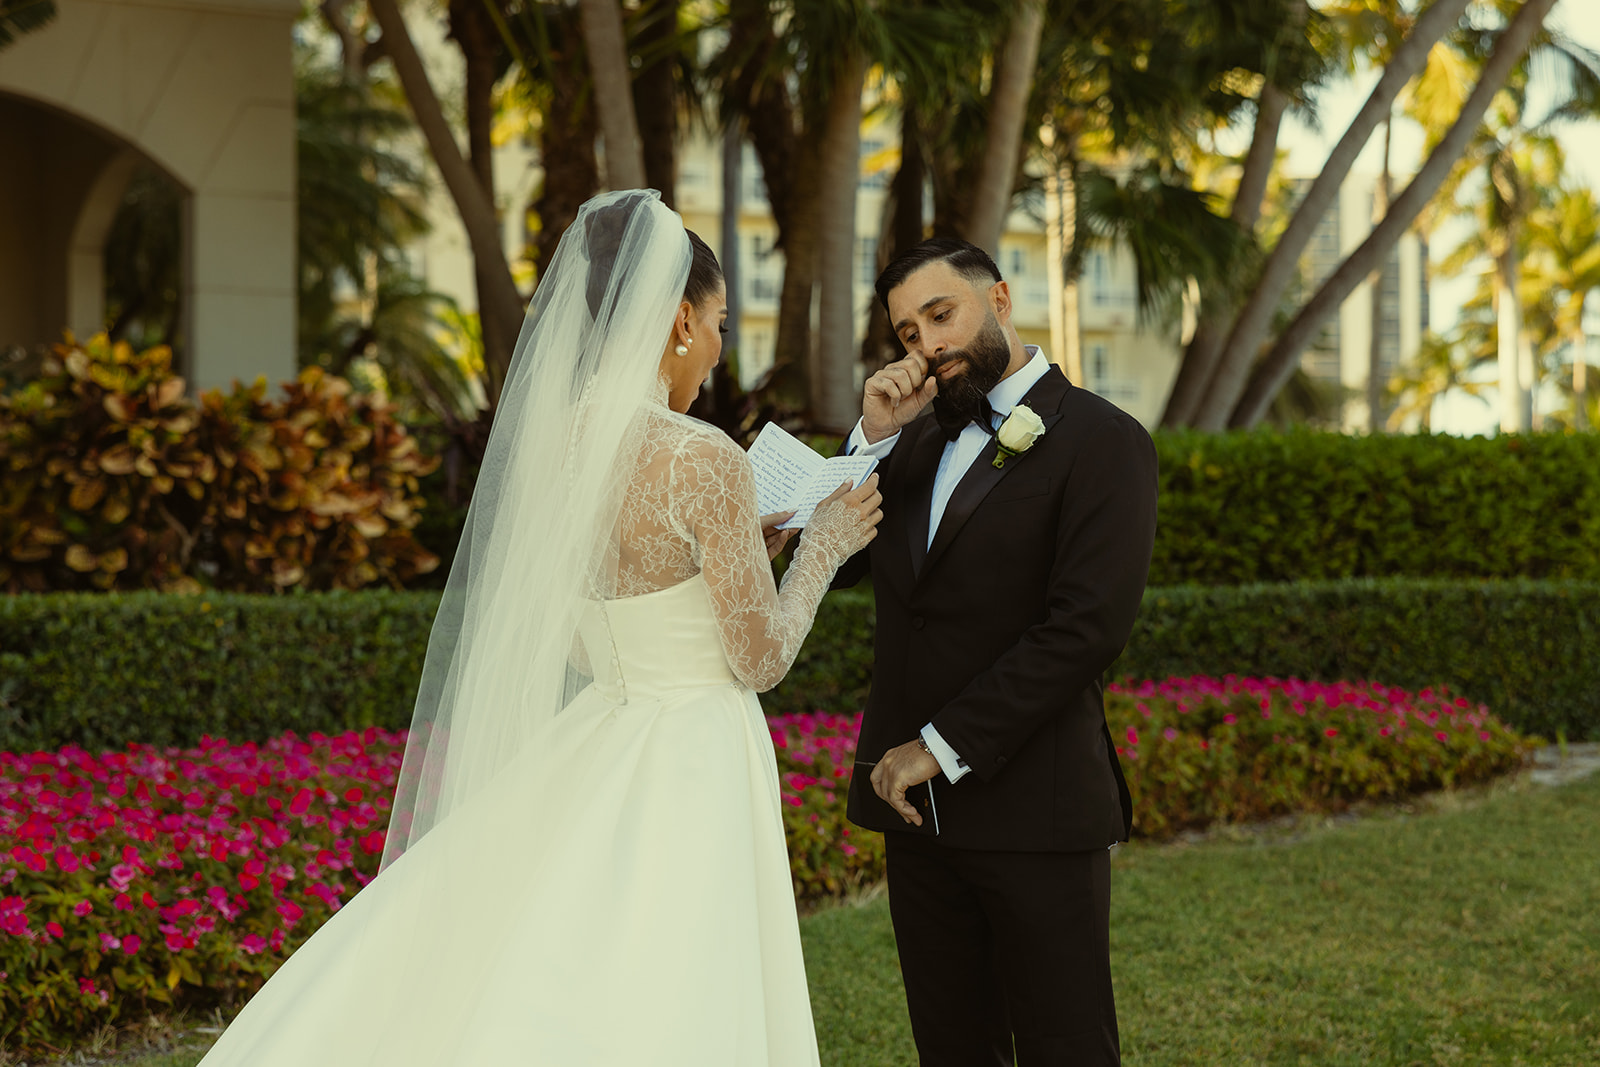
906, 228
1011, 83
732, 187
1060, 231
901, 230
613, 91
1580, 381
351, 45
836, 405
479, 42
1278, 365
655, 95
1380, 207
497, 296
791, 359
1204, 352
1255, 319
566, 144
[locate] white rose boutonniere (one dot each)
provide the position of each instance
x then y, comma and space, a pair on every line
1018, 433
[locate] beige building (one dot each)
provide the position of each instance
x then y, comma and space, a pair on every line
202, 89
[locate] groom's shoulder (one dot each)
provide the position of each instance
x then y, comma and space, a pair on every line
1090, 415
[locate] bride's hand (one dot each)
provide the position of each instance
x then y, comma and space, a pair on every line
775, 538
847, 520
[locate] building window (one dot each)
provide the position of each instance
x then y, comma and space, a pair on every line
866, 260
1099, 366
752, 178
1019, 262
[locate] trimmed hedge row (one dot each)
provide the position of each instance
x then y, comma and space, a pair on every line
1249, 507
102, 669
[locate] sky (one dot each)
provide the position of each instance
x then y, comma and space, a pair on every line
1309, 148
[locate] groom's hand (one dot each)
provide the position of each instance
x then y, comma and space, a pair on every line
901, 768
896, 395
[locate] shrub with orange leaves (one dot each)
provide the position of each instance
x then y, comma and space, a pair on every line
115, 479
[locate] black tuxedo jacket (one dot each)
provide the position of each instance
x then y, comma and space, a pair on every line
1000, 631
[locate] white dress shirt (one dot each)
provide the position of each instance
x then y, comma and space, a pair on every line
958, 457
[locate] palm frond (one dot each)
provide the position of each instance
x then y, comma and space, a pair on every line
1171, 230
18, 17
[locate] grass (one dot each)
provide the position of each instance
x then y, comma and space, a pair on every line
1461, 929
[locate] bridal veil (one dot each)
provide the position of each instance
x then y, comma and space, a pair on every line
540, 534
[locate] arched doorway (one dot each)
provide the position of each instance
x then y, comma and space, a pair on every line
200, 94
57, 212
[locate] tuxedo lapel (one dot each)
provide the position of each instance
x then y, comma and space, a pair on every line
1045, 398
920, 473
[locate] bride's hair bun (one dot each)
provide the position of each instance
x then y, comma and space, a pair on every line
604, 230
603, 227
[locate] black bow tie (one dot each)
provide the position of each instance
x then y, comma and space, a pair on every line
953, 423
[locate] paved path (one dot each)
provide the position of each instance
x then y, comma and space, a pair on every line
1557, 764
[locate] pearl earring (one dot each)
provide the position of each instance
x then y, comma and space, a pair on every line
681, 350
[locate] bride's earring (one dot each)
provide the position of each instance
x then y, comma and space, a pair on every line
682, 350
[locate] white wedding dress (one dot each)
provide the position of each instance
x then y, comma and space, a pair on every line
619, 894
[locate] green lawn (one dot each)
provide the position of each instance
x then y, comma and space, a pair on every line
1463, 931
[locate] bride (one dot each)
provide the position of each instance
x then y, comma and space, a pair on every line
585, 861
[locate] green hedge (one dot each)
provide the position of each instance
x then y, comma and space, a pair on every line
1528, 649
1303, 506
102, 669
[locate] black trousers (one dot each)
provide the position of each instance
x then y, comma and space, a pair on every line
1005, 954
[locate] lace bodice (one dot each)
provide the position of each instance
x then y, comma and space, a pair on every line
691, 509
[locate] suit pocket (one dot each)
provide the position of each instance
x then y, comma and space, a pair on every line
1019, 488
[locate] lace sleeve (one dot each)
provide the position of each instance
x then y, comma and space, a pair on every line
761, 627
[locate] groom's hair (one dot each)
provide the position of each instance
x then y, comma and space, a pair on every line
966, 258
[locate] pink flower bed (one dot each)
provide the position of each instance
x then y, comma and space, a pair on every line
827, 856
1203, 750
136, 879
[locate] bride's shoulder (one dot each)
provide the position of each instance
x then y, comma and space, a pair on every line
696, 440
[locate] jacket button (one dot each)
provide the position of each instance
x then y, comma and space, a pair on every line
917, 622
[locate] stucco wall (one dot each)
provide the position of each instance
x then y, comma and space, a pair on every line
205, 90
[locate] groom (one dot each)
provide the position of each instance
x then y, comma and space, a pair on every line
1007, 570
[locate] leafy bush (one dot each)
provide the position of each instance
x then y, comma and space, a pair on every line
1303, 506
114, 479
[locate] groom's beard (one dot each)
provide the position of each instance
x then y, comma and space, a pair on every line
960, 399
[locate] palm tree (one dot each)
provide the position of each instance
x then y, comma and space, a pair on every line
1564, 262
796, 69
613, 90
18, 17
1012, 80
1227, 383
1247, 393
1440, 365
359, 203
499, 302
